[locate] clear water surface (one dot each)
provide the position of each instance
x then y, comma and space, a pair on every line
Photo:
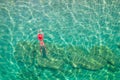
82, 39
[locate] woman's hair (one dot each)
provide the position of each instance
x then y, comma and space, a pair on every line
40, 30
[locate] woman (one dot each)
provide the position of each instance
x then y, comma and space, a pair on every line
42, 45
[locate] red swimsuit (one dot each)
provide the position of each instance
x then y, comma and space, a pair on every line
40, 37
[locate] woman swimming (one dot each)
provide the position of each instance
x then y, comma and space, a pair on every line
42, 45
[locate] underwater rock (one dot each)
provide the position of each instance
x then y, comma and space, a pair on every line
106, 54
49, 64
78, 58
72, 57
25, 52
29, 54
55, 51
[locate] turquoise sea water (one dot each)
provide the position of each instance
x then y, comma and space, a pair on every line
82, 39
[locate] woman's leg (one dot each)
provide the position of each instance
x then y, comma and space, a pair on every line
44, 52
